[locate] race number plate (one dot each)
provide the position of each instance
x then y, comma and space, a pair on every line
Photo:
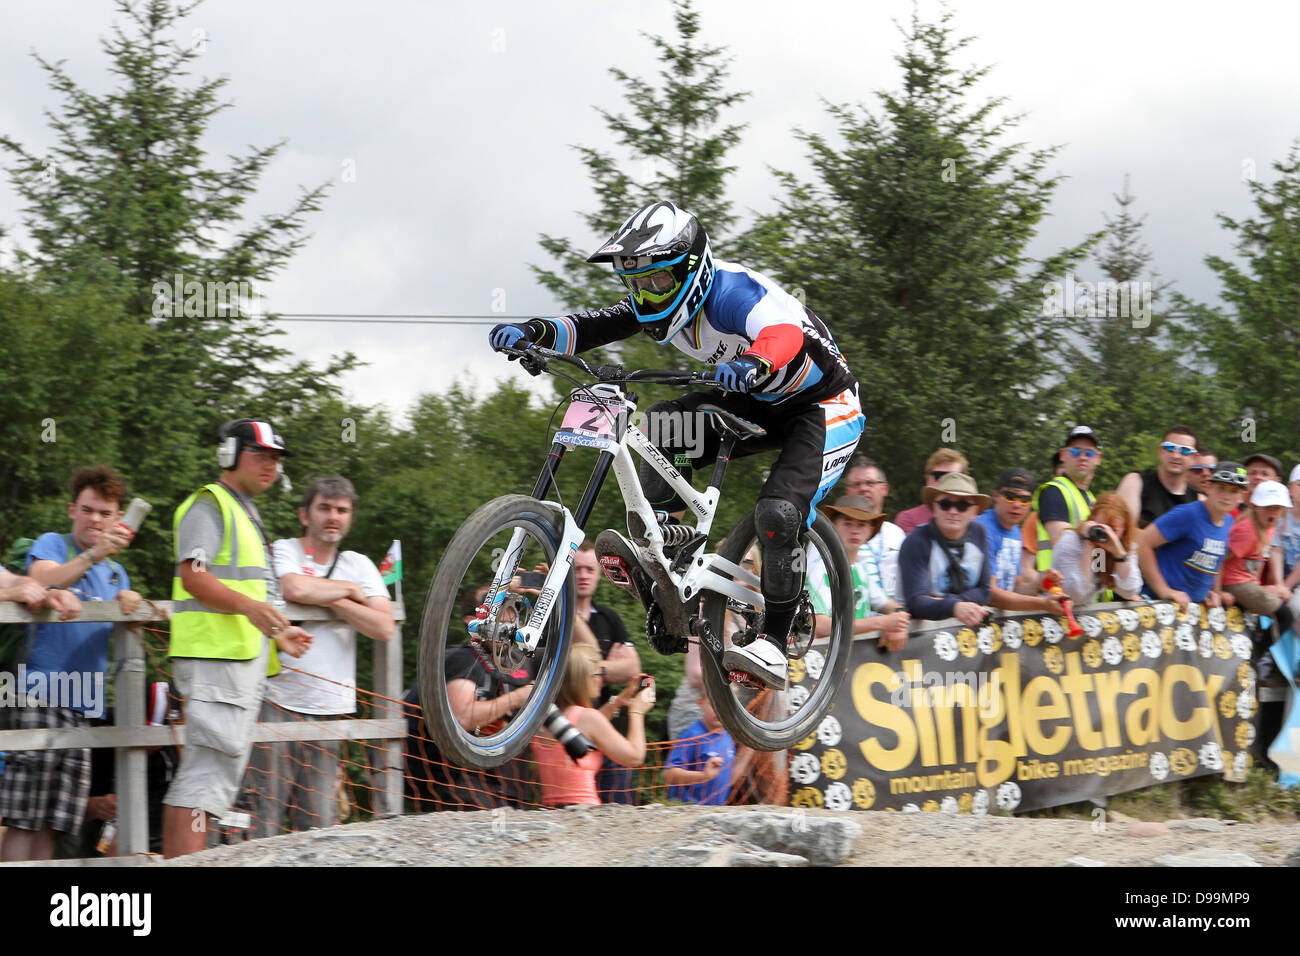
590, 424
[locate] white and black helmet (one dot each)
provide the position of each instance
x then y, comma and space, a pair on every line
662, 255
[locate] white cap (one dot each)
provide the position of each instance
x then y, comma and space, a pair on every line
1268, 493
1295, 475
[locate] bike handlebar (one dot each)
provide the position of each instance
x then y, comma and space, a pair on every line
534, 359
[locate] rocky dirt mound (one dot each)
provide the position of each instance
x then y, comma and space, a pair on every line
762, 836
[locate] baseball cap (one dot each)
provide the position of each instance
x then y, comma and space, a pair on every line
1269, 493
1081, 431
1267, 459
1015, 478
255, 434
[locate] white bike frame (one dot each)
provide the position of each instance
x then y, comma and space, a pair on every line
701, 575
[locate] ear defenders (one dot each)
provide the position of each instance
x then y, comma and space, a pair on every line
228, 452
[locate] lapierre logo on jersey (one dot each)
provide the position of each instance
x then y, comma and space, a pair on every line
835, 463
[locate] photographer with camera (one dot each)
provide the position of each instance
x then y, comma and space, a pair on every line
1096, 559
566, 781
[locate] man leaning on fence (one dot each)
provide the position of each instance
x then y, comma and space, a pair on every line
64, 666
226, 604
298, 778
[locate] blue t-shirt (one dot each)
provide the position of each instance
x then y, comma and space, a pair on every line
75, 647
693, 755
1004, 547
1194, 549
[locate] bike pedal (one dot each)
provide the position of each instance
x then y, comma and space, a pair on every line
617, 570
745, 679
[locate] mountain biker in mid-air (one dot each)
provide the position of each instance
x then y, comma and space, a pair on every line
776, 357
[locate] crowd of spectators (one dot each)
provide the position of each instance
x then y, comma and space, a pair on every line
1193, 530
1190, 530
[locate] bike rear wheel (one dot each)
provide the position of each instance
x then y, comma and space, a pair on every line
762, 720
449, 653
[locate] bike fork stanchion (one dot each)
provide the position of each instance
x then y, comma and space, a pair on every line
547, 477
593, 489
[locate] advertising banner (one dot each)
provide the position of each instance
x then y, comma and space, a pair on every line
1015, 715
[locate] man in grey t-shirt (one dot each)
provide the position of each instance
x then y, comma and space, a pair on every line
299, 778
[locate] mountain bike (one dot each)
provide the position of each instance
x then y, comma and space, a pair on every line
523, 634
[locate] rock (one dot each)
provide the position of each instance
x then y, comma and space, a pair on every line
1144, 828
1198, 824
766, 858
1083, 861
1206, 858
1293, 858
821, 841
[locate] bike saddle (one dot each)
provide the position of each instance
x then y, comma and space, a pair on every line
732, 423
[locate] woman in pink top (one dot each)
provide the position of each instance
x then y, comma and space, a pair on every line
566, 781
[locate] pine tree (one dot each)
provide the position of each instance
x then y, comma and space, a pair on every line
673, 147
1123, 372
1247, 350
123, 205
910, 241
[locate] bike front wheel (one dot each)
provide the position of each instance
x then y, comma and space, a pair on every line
464, 673
777, 720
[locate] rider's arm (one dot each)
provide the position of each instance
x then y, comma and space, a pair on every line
581, 331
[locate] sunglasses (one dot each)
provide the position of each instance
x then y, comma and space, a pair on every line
1184, 450
961, 507
1083, 452
1201, 468
1015, 499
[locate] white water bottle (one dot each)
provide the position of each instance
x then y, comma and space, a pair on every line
136, 512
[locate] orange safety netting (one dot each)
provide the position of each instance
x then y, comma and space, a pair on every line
295, 785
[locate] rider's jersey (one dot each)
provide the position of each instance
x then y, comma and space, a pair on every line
744, 312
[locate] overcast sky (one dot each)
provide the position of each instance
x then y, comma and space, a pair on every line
458, 119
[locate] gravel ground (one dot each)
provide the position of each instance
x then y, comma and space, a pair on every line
760, 836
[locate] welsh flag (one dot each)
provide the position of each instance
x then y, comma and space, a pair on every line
390, 569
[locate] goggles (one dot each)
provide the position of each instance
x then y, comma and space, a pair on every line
652, 289
1076, 452
1226, 477
1185, 450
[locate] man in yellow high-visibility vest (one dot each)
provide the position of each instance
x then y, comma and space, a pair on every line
1065, 500
226, 605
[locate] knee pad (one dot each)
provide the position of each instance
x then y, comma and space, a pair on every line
777, 524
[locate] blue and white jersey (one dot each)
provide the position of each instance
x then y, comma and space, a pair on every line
741, 306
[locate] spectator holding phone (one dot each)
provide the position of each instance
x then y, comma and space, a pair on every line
565, 781
1096, 559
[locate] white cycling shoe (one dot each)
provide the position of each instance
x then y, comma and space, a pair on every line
762, 659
